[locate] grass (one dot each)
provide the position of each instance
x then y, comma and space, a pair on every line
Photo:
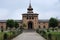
54, 35
10, 34
1, 35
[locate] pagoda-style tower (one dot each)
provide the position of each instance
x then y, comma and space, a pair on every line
30, 9
30, 19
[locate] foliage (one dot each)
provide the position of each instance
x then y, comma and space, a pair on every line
9, 34
24, 25
5, 36
53, 22
47, 30
10, 23
58, 26
16, 24
50, 35
37, 30
1, 35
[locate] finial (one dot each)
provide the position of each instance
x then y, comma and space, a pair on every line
30, 1
30, 4
30, 9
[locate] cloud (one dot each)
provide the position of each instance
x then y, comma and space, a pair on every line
12, 9
3, 13
49, 14
17, 14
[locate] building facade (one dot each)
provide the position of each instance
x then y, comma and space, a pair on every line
30, 19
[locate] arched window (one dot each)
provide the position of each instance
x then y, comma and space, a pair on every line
27, 17
39, 27
1, 28
44, 26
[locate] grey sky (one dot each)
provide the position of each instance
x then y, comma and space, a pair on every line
12, 9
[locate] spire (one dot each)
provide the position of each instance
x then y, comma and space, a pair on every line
30, 9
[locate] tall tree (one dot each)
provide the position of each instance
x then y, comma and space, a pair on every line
53, 22
16, 24
10, 23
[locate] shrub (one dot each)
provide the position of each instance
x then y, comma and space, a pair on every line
5, 36
49, 36
47, 30
43, 33
37, 30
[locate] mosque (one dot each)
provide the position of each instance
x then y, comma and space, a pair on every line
30, 19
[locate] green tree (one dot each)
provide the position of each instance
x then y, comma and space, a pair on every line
16, 24
24, 25
10, 23
53, 22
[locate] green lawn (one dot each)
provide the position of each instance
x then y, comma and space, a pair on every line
1, 35
55, 35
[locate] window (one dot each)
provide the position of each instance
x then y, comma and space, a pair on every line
43, 26
27, 17
32, 17
39, 27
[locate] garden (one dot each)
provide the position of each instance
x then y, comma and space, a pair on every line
12, 30
9, 35
51, 33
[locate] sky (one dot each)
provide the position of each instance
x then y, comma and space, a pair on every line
13, 9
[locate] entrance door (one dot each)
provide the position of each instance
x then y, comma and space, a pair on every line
30, 25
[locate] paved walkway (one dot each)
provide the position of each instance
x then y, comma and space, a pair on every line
29, 36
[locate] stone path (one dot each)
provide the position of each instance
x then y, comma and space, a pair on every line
29, 36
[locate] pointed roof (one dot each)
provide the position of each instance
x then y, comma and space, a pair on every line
30, 9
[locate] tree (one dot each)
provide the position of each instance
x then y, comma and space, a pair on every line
49, 36
24, 25
53, 22
5, 36
10, 23
16, 24
59, 26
